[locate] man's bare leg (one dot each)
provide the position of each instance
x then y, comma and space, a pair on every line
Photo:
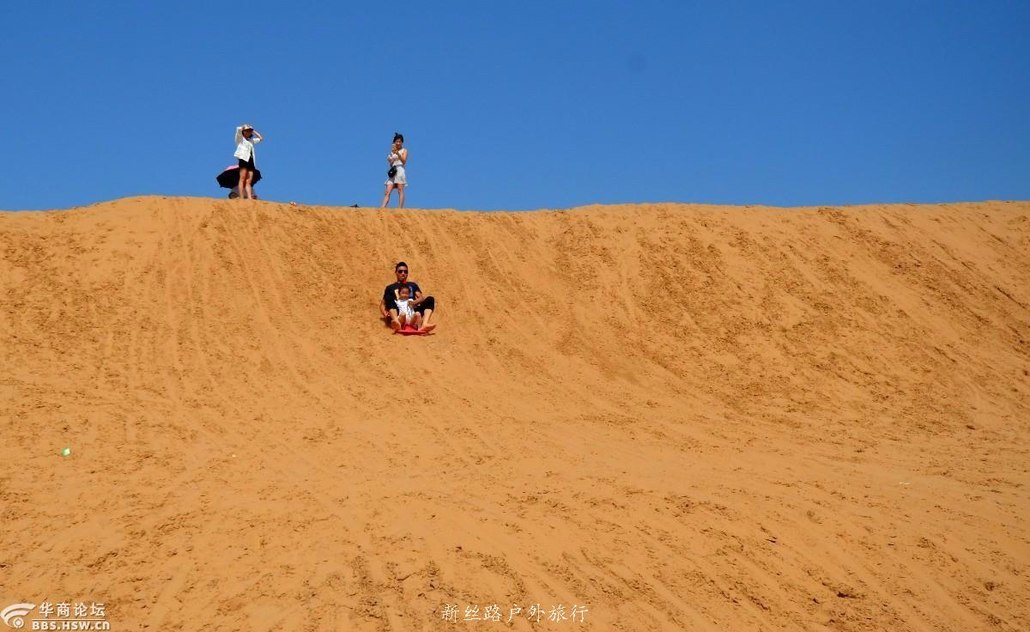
426, 325
395, 323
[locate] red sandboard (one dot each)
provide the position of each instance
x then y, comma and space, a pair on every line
407, 330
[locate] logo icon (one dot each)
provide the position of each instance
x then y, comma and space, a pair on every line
14, 615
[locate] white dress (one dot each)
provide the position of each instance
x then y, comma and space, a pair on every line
395, 161
404, 308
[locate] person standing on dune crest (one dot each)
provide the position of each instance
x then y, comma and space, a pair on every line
246, 138
396, 177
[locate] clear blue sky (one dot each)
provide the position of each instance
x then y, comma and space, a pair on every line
519, 105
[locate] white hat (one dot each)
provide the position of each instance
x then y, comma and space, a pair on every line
246, 126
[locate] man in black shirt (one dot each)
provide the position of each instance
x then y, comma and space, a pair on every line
424, 305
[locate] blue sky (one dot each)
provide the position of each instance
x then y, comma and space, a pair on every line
519, 105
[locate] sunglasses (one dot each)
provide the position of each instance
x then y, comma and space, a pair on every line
402, 272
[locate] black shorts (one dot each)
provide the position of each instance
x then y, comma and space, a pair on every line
427, 303
246, 164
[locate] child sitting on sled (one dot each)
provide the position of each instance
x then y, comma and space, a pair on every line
406, 314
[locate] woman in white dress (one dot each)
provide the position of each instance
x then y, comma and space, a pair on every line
246, 138
396, 178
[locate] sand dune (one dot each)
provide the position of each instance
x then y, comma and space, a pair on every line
678, 417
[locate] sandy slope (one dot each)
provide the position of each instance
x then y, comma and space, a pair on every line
679, 417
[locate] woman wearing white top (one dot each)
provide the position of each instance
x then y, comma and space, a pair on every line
397, 158
246, 138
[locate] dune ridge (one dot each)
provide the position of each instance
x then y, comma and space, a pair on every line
679, 417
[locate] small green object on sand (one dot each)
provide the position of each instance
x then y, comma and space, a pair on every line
66, 452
